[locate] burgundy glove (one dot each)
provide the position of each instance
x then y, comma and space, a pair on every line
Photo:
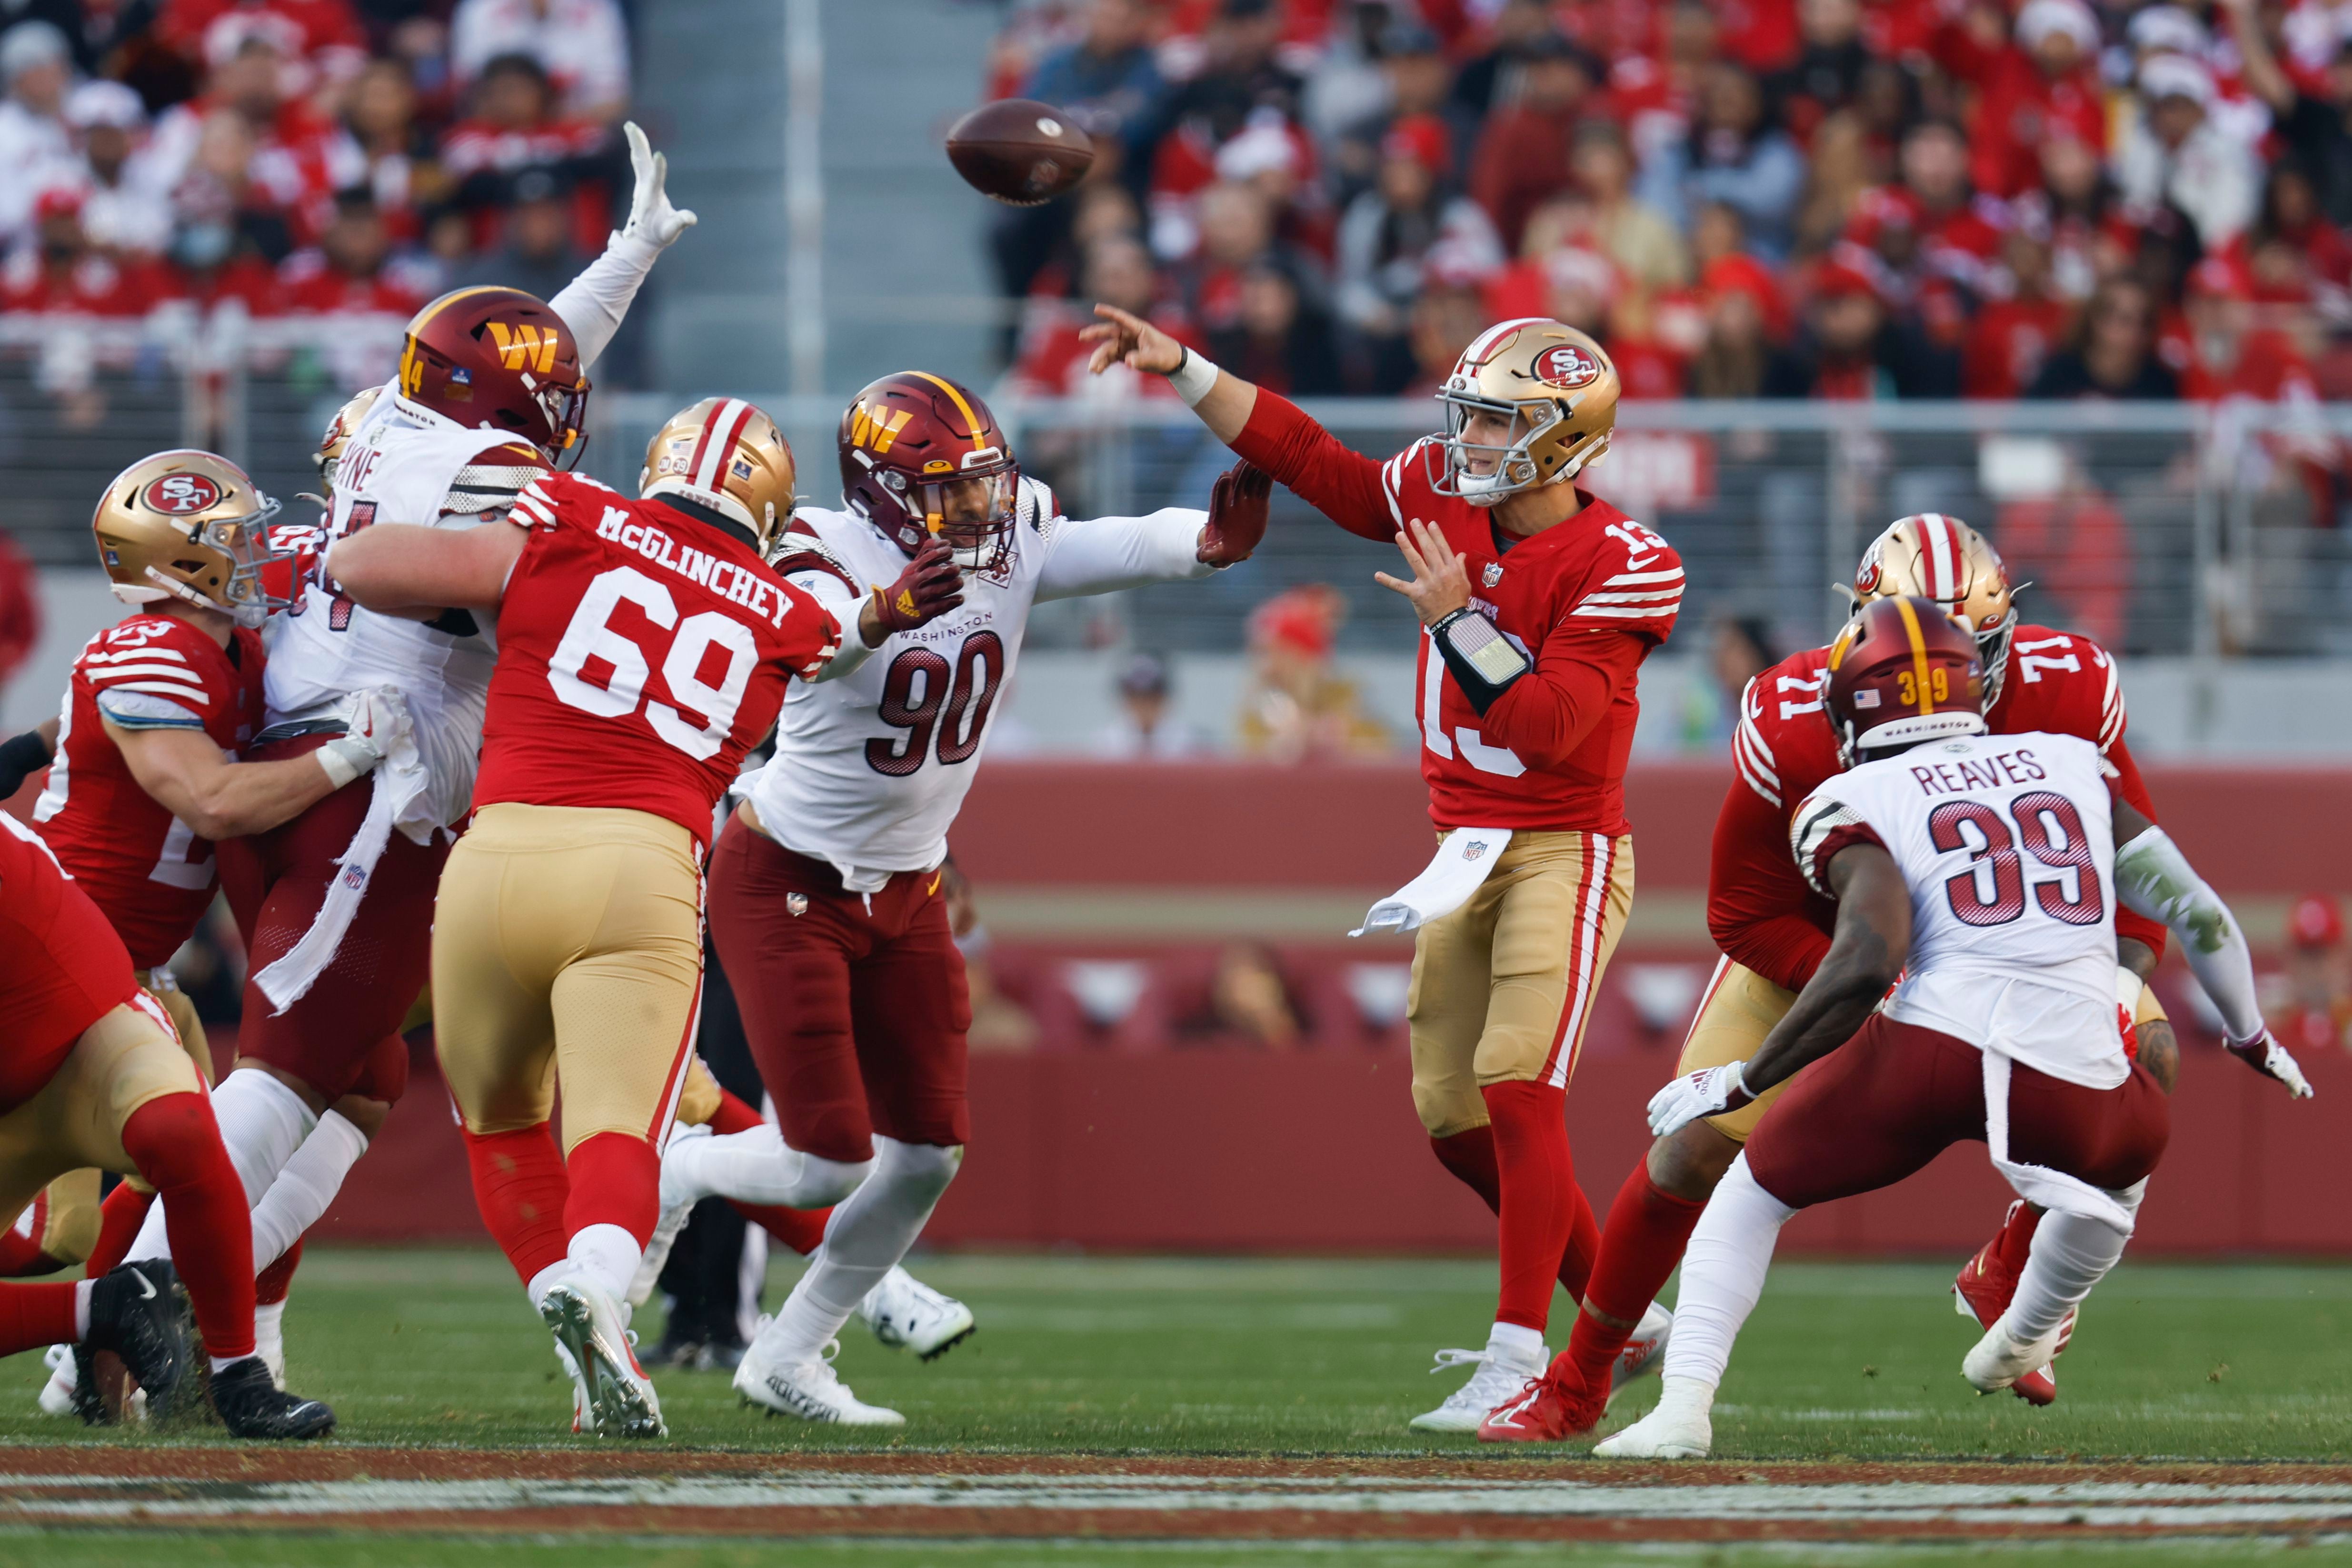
1236, 514
931, 586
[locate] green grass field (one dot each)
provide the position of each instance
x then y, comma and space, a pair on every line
1293, 1357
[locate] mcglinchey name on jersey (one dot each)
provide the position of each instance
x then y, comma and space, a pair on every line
754, 591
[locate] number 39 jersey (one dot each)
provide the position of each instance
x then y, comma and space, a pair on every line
145, 870
642, 653
2007, 844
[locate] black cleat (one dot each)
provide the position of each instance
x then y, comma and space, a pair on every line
134, 1330
251, 1406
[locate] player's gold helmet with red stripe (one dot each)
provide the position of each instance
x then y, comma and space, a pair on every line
329, 453
497, 359
921, 456
725, 454
1531, 402
1901, 673
188, 525
1931, 555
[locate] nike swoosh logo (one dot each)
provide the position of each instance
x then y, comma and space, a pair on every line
937, 877
146, 1290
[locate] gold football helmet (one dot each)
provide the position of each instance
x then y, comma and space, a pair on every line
1933, 556
1531, 402
724, 454
188, 525
329, 455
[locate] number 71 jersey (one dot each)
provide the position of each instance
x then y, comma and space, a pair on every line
642, 654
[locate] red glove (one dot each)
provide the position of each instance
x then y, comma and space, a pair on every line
1236, 514
931, 586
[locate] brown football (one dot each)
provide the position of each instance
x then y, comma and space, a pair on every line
1020, 151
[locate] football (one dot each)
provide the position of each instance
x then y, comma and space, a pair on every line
1020, 151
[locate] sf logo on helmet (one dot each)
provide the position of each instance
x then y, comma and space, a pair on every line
178, 495
525, 347
1567, 366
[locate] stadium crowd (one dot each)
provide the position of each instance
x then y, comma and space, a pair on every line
323, 167
1775, 198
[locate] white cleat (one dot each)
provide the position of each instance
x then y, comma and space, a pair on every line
810, 1390
58, 1393
907, 1314
1645, 1352
678, 1201
611, 1392
1677, 1429
1998, 1361
1500, 1375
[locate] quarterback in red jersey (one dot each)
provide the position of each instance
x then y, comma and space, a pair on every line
1773, 929
644, 648
1538, 604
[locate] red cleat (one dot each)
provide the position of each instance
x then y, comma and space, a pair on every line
1546, 1410
1987, 1282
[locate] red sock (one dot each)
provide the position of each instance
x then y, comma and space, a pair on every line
176, 1146
733, 1115
615, 1180
20, 1250
520, 1187
32, 1316
1470, 1157
1539, 1180
119, 1219
1646, 1234
271, 1287
800, 1229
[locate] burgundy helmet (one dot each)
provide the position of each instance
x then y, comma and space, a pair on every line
922, 457
1901, 673
497, 359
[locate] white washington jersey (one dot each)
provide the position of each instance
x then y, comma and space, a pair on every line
871, 765
2007, 844
404, 463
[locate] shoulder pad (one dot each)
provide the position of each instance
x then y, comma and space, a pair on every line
800, 550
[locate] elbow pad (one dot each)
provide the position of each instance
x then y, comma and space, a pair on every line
1483, 662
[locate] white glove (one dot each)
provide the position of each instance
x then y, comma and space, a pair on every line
378, 722
2270, 1058
651, 217
1698, 1094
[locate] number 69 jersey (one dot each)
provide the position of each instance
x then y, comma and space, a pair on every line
2007, 844
642, 653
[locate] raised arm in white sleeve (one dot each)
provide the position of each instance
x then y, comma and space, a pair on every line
1104, 554
2154, 879
593, 303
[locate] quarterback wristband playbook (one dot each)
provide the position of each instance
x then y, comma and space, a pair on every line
1192, 378
1483, 661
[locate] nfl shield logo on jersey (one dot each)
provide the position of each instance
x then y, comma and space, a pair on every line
1493, 573
796, 902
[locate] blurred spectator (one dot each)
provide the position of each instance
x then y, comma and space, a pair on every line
582, 46
2174, 151
2043, 85
2075, 208
36, 69
1491, 77
1296, 706
1827, 74
1236, 234
539, 255
1445, 319
242, 147
2316, 128
1523, 154
1145, 728
1240, 76
1117, 271
1562, 272
2014, 334
60, 272
1840, 171
1249, 1001
346, 279
321, 41
2237, 355
1416, 83
1387, 237
2310, 1008
1732, 156
1637, 237
401, 171
1278, 338
1109, 75
1854, 348
2076, 547
1741, 649
125, 208
2292, 251
516, 124
1738, 300
2112, 352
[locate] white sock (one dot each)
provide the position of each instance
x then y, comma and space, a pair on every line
1518, 1346
262, 1122
305, 1187
1722, 1273
547, 1279
869, 1233
608, 1255
81, 1309
2070, 1254
756, 1167
270, 1331
221, 1363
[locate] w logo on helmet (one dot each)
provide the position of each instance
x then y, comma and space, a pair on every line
525, 347
182, 495
876, 428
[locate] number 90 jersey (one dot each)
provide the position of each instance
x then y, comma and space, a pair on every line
642, 653
2007, 845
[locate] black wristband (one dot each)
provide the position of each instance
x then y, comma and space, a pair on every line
1484, 663
21, 756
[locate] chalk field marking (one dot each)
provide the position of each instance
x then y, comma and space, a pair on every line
2170, 1506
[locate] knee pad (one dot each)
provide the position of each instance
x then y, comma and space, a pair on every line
825, 1183
916, 1165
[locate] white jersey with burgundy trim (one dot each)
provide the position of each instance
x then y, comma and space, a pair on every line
872, 765
2007, 844
404, 463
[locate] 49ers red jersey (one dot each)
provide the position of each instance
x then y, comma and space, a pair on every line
62, 967
146, 870
641, 654
1760, 910
1585, 600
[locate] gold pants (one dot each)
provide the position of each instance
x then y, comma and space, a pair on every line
1503, 987
567, 944
1739, 1009
75, 1123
